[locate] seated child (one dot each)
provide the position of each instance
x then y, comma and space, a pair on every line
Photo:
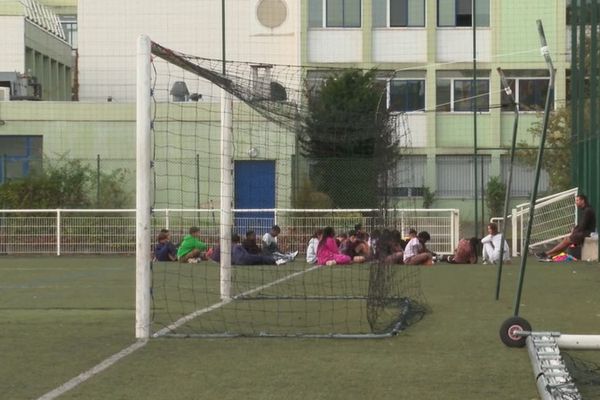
415, 252
328, 252
164, 250
191, 249
313, 244
250, 243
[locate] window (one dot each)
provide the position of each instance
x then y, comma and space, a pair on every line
456, 175
398, 13
20, 155
334, 13
406, 95
408, 178
456, 95
460, 13
69, 25
530, 94
523, 178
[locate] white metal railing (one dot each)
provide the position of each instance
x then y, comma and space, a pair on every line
112, 231
554, 217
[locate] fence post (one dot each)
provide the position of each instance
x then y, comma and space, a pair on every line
167, 218
58, 232
2, 168
98, 180
515, 233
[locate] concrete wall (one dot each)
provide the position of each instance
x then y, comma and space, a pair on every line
13, 50
108, 31
186, 150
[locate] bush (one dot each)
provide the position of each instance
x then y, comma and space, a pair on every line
495, 193
65, 183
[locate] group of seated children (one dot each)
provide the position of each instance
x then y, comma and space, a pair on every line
324, 248
192, 249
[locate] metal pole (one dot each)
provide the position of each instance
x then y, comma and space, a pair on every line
509, 93
474, 102
143, 174
538, 167
98, 181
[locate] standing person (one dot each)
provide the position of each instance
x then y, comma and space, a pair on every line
313, 245
415, 252
191, 249
164, 250
491, 245
586, 225
328, 252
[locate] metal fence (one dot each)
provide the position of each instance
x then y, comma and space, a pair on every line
100, 231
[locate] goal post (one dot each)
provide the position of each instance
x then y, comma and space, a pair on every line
226, 227
215, 132
143, 189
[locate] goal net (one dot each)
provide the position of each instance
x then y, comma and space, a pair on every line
241, 147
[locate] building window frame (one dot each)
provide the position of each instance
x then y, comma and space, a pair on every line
405, 5
452, 101
324, 17
515, 84
422, 101
457, 22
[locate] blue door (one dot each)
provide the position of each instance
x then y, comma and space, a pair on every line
254, 189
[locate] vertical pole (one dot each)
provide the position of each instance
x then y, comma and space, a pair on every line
143, 206
592, 187
581, 133
538, 165
198, 181
515, 231
509, 93
574, 92
474, 102
226, 192
58, 232
2, 168
98, 181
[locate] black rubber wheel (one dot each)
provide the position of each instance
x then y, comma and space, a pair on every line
510, 329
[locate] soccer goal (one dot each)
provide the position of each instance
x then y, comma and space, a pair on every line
232, 147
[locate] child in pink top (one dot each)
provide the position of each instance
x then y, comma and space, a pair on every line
328, 252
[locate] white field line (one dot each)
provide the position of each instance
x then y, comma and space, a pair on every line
84, 376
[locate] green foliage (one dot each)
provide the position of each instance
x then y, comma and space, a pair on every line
65, 183
495, 193
428, 197
557, 152
348, 135
307, 197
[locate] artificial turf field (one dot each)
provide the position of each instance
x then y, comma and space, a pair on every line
60, 316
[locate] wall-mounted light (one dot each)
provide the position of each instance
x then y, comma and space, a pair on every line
252, 152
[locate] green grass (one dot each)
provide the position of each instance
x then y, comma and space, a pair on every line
61, 316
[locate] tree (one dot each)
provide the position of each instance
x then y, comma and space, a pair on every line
348, 135
495, 193
557, 153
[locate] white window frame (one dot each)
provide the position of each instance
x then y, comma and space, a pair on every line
452, 101
324, 14
389, 17
389, 94
438, 26
517, 94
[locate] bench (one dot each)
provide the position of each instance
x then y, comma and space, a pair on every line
589, 250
